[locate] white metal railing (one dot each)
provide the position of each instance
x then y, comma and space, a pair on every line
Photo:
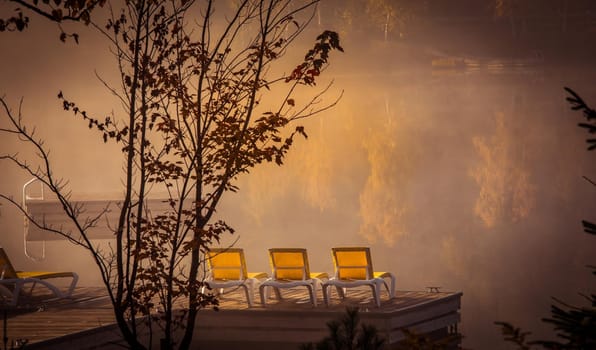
27, 197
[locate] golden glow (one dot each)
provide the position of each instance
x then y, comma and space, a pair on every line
383, 199
451, 256
506, 190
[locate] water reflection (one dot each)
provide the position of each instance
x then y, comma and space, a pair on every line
466, 180
506, 189
390, 163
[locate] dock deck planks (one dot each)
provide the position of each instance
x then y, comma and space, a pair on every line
87, 318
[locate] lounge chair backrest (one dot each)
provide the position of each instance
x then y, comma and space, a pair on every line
289, 263
352, 263
227, 263
6, 268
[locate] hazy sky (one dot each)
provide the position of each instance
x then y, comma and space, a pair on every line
466, 177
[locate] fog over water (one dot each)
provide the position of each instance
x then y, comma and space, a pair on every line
472, 182
466, 176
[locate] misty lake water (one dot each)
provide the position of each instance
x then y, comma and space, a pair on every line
468, 178
461, 174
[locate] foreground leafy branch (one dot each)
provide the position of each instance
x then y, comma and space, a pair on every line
194, 120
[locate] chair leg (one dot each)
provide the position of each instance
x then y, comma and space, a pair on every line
387, 288
376, 291
268, 293
73, 284
16, 291
278, 293
206, 287
57, 292
250, 283
247, 293
327, 292
392, 291
313, 296
262, 292
341, 291
32, 287
265, 293
325, 295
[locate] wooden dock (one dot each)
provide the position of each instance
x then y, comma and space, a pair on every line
86, 320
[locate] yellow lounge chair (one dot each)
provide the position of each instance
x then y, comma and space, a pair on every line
12, 282
290, 269
227, 269
353, 268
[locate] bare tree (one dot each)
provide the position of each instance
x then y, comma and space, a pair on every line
202, 106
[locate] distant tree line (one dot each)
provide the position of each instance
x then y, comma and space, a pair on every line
387, 19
